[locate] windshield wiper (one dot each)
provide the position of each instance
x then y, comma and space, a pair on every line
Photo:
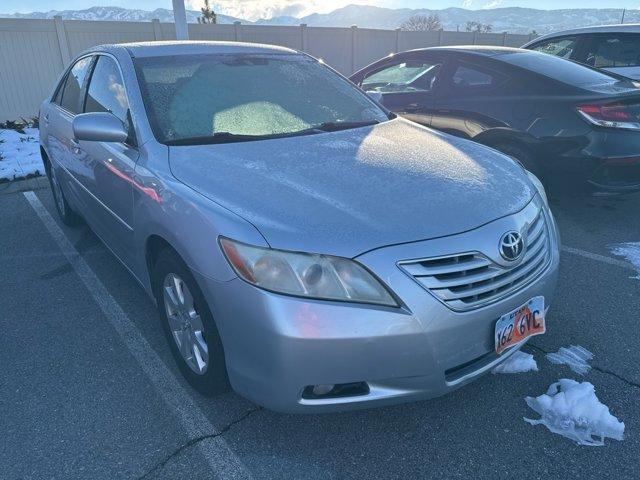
228, 137
218, 137
336, 126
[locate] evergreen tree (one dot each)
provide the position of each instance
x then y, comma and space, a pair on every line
208, 15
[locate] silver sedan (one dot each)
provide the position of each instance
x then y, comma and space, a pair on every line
304, 246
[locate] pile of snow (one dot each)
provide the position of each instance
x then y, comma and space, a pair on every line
19, 154
519, 362
575, 357
630, 251
572, 410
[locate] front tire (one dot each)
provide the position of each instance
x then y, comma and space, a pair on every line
189, 326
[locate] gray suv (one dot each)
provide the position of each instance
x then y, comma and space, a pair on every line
304, 246
615, 48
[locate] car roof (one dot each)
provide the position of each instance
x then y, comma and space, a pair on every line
502, 55
620, 28
480, 50
170, 48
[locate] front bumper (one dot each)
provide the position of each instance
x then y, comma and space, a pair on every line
277, 345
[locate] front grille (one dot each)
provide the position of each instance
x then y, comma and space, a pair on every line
469, 280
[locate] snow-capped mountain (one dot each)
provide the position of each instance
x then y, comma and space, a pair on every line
513, 19
116, 14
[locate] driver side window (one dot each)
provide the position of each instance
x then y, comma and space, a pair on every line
409, 76
559, 47
106, 93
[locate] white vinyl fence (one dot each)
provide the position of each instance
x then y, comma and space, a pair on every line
34, 52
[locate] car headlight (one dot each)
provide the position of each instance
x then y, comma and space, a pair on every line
538, 184
304, 274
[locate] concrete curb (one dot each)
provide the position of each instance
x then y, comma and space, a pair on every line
17, 186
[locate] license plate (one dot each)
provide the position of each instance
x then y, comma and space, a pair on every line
519, 324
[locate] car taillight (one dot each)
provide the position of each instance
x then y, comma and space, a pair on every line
613, 115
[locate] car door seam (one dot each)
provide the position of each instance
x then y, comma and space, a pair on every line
94, 197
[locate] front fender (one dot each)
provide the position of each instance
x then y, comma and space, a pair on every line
189, 222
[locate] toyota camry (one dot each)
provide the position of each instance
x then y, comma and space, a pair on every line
304, 246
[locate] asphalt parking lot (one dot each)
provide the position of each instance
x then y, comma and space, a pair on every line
88, 388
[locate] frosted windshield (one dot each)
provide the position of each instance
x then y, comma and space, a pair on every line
193, 96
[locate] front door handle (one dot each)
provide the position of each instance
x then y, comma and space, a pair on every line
415, 108
75, 146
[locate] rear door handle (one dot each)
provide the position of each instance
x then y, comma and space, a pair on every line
416, 107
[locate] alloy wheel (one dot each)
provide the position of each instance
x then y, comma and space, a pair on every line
185, 323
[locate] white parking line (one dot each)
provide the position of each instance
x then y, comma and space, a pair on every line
598, 258
220, 458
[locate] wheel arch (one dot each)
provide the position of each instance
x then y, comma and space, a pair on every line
504, 135
155, 244
45, 160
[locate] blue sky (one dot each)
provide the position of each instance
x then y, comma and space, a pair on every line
266, 8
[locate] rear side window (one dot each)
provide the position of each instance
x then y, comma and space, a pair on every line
614, 50
558, 69
412, 76
559, 47
58, 97
472, 77
73, 85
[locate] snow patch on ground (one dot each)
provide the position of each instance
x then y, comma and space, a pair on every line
574, 356
629, 251
519, 362
19, 154
572, 409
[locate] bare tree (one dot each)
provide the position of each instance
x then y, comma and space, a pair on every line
421, 23
479, 27
208, 15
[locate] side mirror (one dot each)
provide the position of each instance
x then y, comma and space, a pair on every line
99, 127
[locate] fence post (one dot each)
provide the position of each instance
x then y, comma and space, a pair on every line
396, 49
63, 42
475, 38
304, 37
157, 31
440, 35
504, 39
237, 26
354, 32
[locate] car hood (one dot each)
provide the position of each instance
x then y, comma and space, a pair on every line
348, 192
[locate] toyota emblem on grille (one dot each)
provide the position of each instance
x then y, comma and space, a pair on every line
511, 245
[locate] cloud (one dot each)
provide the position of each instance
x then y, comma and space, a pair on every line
467, 3
492, 4
255, 9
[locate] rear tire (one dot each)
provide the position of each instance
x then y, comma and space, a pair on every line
189, 326
68, 216
523, 156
